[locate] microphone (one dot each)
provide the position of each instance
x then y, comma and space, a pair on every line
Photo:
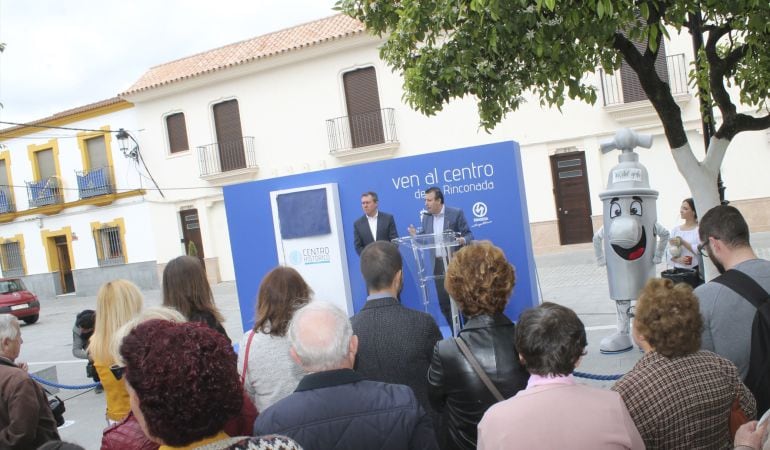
425, 213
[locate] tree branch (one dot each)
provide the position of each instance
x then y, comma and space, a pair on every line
657, 90
718, 70
741, 122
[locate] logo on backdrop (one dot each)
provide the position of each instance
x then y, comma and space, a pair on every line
480, 218
306, 256
480, 209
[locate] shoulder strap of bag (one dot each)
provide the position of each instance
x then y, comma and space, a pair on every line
246, 357
477, 368
743, 285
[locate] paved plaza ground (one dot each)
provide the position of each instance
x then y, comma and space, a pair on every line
569, 277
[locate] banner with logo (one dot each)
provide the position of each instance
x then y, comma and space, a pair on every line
485, 182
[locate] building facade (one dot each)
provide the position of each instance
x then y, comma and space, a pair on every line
317, 96
72, 207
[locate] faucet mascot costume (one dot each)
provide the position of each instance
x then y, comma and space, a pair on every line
629, 233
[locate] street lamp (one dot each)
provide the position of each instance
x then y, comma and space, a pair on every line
133, 153
123, 138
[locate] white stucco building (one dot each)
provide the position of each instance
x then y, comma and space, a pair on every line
317, 96
72, 211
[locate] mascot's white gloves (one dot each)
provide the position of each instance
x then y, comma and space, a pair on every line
662, 234
598, 248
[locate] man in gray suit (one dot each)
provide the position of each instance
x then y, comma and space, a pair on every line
437, 219
374, 225
395, 343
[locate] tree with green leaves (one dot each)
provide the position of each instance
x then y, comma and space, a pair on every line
497, 50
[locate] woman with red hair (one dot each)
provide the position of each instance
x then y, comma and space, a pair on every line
182, 382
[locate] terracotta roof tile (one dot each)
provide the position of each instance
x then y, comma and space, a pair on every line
64, 114
289, 39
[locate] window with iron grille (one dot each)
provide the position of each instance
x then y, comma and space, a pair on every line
10, 259
176, 128
109, 247
632, 87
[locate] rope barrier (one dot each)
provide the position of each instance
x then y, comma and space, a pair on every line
76, 387
592, 376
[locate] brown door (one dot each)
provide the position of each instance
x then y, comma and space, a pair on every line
191, 233
227, 124
363, 102
65, 268
573, 205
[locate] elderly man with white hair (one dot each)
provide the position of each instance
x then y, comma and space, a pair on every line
26, 421
334, 406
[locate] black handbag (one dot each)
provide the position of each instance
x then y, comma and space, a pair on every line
681, 275
57, 407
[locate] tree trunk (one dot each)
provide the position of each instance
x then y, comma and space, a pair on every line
701, 178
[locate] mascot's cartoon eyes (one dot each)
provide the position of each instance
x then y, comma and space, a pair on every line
636, 208
615, 209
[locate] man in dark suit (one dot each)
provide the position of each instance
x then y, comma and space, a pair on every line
374, 225
437, 219
395, 343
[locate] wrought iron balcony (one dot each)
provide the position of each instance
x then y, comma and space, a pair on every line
44, 192
612, 84
361, 130
6, 200
221, 157
94, 182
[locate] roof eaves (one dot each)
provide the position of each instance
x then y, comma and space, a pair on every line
237, 63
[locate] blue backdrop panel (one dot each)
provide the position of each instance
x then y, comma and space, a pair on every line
485, 181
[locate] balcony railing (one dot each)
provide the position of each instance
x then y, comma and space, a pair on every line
361, 130
6, 200
44, 192
94, 182
222, 157
612, 84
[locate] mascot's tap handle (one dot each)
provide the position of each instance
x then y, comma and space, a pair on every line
626, 140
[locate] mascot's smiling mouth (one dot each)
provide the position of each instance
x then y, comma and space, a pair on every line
634, 252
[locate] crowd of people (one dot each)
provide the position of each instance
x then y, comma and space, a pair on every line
308, 376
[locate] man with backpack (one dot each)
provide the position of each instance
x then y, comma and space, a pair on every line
735, 306
81, 335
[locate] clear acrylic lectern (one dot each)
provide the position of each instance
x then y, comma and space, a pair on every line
430, 254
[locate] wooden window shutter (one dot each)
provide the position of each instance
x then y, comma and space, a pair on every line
177, 133
227, 124
363, 102
632, 88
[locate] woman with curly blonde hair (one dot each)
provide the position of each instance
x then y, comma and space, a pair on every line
480, 280
117, 302
678, 395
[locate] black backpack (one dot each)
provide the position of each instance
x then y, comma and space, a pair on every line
758, 378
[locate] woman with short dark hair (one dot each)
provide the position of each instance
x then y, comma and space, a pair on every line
182, 382
186, 289
270, 374
480, 280
678, 395
553, 411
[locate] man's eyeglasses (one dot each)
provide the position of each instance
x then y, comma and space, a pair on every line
702, 249
117, 371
